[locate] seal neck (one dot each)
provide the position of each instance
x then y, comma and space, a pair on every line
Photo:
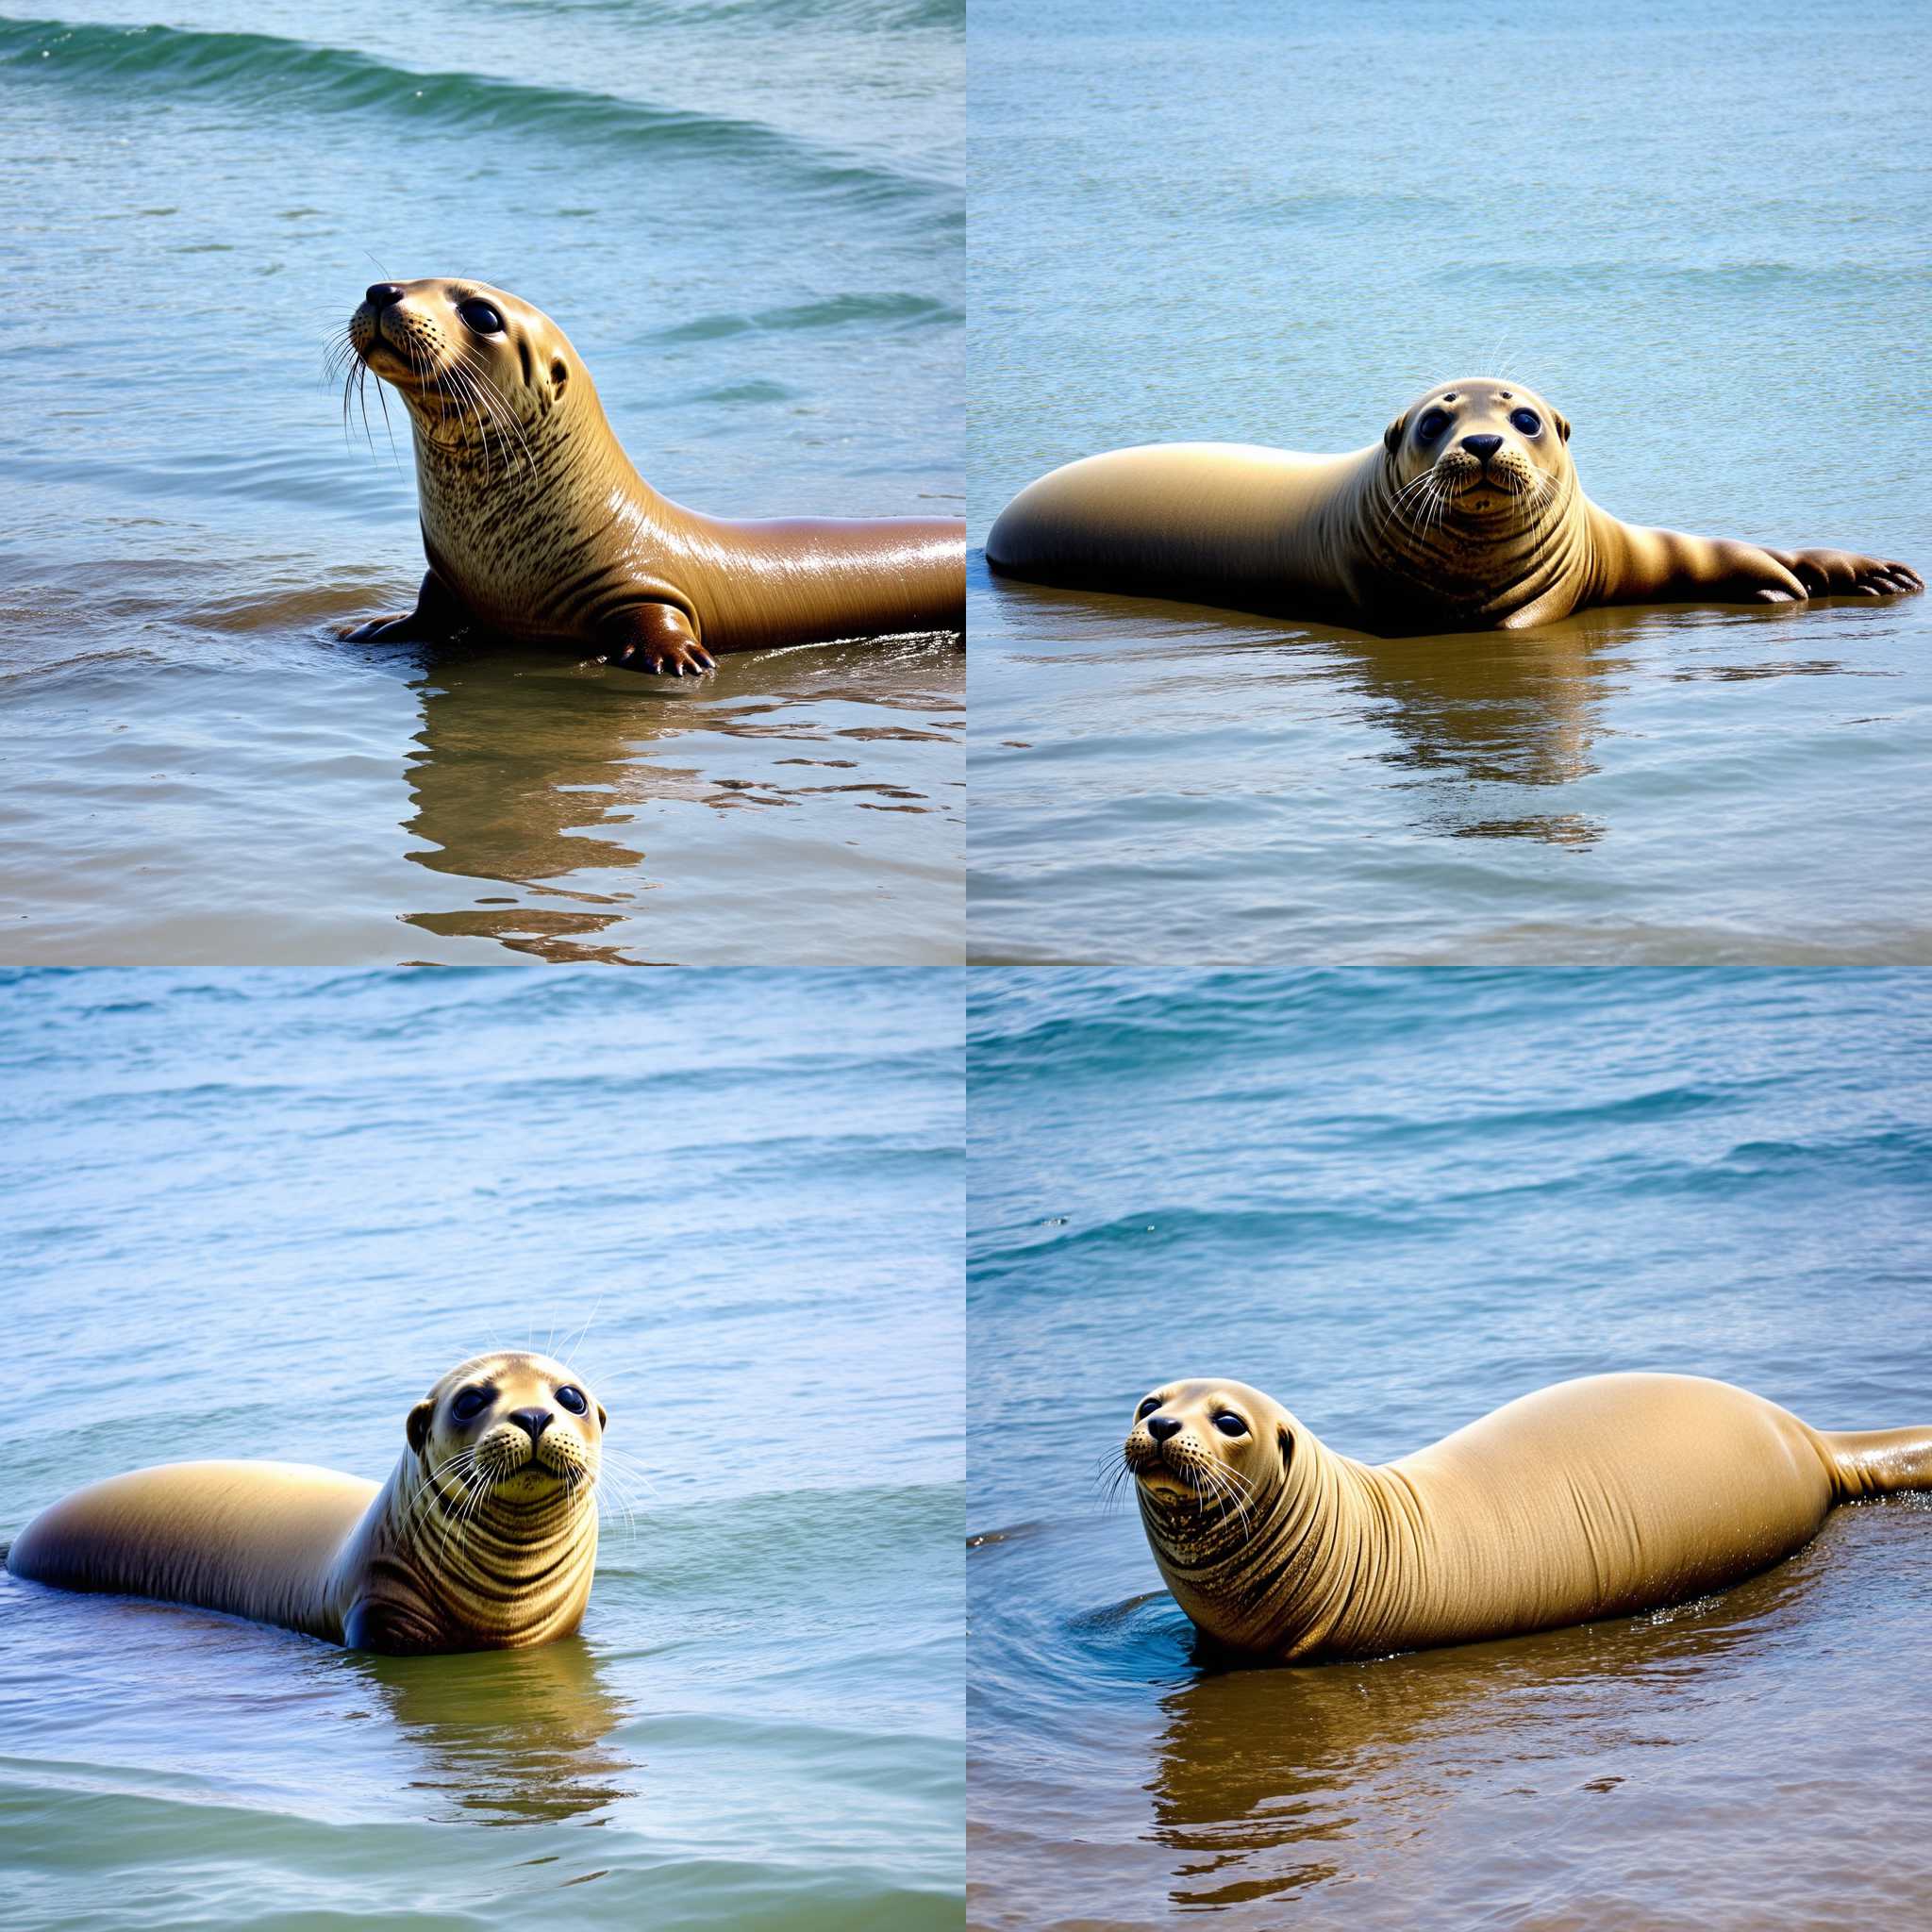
484, 1569
1429, 562
1318, 1564
518, 468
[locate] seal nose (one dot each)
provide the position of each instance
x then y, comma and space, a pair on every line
1161, 1427
383, 295
1483, 446
535, 1419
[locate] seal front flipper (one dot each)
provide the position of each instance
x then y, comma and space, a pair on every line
1847, 573
1646, 566
654, 637
438, 612
394, 1630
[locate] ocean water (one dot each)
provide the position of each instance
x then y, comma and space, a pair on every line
258, 1213
748, 217
1395, 1200
1252, 224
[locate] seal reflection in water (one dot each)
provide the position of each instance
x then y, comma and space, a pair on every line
1595, 1498
1466, 516
483, 1538
537, 528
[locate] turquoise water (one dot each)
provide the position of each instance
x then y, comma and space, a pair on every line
1395, 1200
749, 220
254, 1214
1700, 231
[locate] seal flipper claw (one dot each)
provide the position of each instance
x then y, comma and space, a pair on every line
660, 637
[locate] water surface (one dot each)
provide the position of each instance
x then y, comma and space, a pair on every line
1244, 226
259, 1214
1395, 1200
197, 771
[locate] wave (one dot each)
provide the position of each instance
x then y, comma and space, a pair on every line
765, 16
837, 311
269, 72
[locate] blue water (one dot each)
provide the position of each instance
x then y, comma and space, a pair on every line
1395, 1200
749, 220
1700, 231
258, 1213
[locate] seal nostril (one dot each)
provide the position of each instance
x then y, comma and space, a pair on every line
534, 1420
1161, 1427
383, 294
1483, 446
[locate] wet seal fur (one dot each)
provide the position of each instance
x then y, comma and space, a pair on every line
538, 528
483, 1538
1589, 1499
1467, 515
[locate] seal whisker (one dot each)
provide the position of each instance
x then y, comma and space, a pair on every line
465, 385
506, 416
576, 1341
622, 1502
464, 378
381, 396
628, 1465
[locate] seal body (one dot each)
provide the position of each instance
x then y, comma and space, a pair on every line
1466, 516
1594, 1498
484, 1535
538, 527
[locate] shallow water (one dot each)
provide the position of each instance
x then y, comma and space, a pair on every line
260, 1213
1248, 229
1396, 1200
197, 770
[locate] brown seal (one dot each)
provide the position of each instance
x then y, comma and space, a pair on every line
537, 528
1595, 1498
483, 1538
1466, 516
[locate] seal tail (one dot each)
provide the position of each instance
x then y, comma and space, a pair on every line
1879, 1462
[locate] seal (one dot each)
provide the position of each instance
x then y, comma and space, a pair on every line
538, 528
1467, 515
1594, 1498
483, 1538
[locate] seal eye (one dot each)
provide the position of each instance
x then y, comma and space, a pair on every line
1148, 1408
573, 1398
1432, 425
480, 317
469, 1405
1230, 1424
1526, 420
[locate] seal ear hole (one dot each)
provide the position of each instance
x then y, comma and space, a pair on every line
1287, 1438
560, 375
603, 1420
1562, 423
1392, 437
417, 1427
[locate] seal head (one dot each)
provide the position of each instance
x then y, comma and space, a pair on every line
1473, 518
1224, 1479
492, 1533
478, 369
